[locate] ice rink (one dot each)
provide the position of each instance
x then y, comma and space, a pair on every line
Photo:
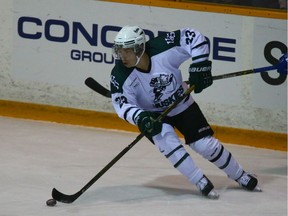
36, 156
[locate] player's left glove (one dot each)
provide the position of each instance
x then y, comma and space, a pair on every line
147, 124
200, 75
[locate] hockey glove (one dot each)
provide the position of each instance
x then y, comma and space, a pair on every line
200, 75
147, 124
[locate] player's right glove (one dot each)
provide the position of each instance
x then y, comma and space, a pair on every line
200, 75
147, 124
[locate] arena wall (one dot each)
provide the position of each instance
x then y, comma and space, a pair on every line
49, 48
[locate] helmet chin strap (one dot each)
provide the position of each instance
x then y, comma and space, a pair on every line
137, 61
139, 58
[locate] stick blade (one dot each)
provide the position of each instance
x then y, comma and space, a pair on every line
282, 65
94, 85
57, 195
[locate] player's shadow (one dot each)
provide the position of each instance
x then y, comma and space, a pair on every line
177, 185
282, 171
161, 188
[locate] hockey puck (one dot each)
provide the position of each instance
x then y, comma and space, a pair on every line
51, 202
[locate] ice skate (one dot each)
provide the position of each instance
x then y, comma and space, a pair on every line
206, 188
249, 182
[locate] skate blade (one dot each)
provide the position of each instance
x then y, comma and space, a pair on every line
213, 195
257, 189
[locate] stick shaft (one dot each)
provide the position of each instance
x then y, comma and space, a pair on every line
244, 72
95, 86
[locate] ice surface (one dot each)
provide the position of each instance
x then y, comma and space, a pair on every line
36, 156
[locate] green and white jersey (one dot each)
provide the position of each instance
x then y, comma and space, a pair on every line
155, 90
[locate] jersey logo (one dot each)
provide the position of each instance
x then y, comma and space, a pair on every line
170, 37
114, 82
159, 84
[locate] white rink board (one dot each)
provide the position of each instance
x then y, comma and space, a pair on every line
47, 36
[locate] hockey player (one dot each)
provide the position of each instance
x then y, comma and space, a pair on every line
146, 80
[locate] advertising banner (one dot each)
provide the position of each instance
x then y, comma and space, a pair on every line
61, 43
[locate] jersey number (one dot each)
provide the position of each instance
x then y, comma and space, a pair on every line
121, 100
189, 37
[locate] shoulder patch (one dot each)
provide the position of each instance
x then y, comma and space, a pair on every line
118, 77
163, 42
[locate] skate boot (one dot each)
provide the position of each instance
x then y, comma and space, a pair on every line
249, 182
206, 188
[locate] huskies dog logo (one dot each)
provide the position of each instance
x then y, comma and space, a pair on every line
170, 37
160, 84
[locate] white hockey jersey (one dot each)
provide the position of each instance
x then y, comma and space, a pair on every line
155, 90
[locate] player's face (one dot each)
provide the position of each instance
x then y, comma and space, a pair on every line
127, 56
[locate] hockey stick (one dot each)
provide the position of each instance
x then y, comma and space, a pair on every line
97, 87
57, 195
281, 68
